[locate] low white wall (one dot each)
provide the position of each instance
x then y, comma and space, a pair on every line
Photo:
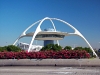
63, 62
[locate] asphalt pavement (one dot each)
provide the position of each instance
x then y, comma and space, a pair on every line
48, 70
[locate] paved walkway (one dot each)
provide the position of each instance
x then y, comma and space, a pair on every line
48, 70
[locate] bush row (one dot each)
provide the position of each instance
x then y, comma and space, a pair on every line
10, 48
63, 54
56, 47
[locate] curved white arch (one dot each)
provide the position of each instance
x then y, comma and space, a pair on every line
52, 24
77, 33
24, 32
54, 28
38, 29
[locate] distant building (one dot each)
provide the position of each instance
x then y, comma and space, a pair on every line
25, 46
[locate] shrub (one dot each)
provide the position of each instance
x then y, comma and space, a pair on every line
2, 49
68, 48
13, 48
54, 47
78, 48
88, 49
63, 54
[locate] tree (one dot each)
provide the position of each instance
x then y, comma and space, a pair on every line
88, 49
13, 48
78, 48
47, 47
54, 47
68, 48
2, 49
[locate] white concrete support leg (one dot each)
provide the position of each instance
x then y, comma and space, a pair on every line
58, 42
16, 41
38, 29
80, 35
77, 33
36, 32
24, 32
54, 29
89, 45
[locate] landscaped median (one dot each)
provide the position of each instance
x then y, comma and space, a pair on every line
49, 55
63, 57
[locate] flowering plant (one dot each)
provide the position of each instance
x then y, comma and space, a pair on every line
50, 54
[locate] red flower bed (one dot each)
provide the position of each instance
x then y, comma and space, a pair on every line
63, 54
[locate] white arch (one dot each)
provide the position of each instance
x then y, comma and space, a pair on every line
38, 29
24, 32
76, 33
54, 28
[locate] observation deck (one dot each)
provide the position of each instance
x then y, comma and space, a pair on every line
47, 35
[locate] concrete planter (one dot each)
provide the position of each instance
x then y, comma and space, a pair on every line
58, 62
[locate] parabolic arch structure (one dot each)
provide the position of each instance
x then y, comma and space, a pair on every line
39, 31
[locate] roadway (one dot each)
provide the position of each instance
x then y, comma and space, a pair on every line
48, 70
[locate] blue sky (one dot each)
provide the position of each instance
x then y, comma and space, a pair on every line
17, 15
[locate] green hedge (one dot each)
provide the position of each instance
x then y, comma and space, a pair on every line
10, 48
